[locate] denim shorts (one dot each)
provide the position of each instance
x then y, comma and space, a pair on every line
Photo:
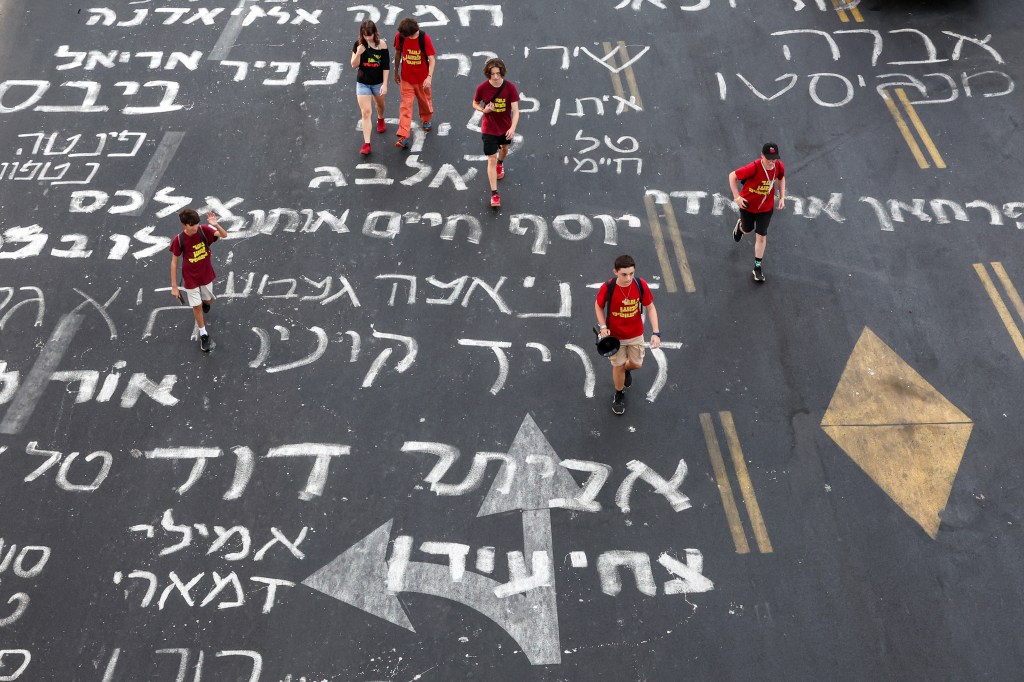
363, 89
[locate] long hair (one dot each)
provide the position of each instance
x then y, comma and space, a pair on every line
492, 63
366, 27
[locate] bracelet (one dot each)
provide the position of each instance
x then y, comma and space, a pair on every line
603, 326
658, 334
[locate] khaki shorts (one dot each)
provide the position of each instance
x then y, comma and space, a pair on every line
631, 350
201, 293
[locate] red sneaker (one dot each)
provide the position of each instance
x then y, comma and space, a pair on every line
380, 125
365, 150
501, 171
495, 201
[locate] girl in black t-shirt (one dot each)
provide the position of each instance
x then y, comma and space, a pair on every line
371, 56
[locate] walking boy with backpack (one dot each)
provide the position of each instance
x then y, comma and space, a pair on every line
414, 73
193, 244
618, 310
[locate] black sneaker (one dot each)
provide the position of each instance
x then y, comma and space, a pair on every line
629, 379
204, 342
758, 274
206, 307
737, 233
619, 403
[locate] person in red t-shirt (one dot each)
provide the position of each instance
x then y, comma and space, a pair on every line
756, 199
197, 267
498, 100
414, 72
628, 294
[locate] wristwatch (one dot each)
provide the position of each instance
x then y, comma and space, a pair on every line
658, 334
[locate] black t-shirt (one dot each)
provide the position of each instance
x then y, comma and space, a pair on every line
372, 65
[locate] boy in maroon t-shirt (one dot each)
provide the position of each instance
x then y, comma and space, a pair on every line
197, 267
628, 294
498, 100
756, 199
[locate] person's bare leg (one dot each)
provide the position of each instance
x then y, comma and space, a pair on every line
364, 109
619, 376
492, 172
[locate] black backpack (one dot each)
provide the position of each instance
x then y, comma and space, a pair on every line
609, 288
401, 42
181, 241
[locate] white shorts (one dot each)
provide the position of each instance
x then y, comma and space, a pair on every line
199, 294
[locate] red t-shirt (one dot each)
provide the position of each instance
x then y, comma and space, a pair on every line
498, 121
625, 321
197, 266
415, 66
759, 188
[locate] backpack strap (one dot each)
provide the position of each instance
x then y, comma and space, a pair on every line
401, 42
181, 240
609, 289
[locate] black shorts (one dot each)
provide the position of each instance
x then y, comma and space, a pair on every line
492, 142
755, 222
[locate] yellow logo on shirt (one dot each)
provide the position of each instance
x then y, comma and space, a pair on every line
628, 308
413, 57
199, 252
764, 189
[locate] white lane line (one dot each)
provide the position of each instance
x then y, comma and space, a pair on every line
229, 35
25, 400
158, 165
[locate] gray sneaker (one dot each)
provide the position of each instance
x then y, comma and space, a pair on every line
619, 403
204, 342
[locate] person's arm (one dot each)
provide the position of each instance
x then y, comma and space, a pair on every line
601, 322
652, 315
357, 53
429, 80
511, 134
221, 232
734, 186
174, 272
398, 63
782, 193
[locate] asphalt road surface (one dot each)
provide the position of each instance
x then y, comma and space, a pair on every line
399, 461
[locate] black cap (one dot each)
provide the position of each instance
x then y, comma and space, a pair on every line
770, 150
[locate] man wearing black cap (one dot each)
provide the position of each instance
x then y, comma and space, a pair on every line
756, 199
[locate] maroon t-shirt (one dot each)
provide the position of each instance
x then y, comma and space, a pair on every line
759, 184
498, 121
625, 321
197, 265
